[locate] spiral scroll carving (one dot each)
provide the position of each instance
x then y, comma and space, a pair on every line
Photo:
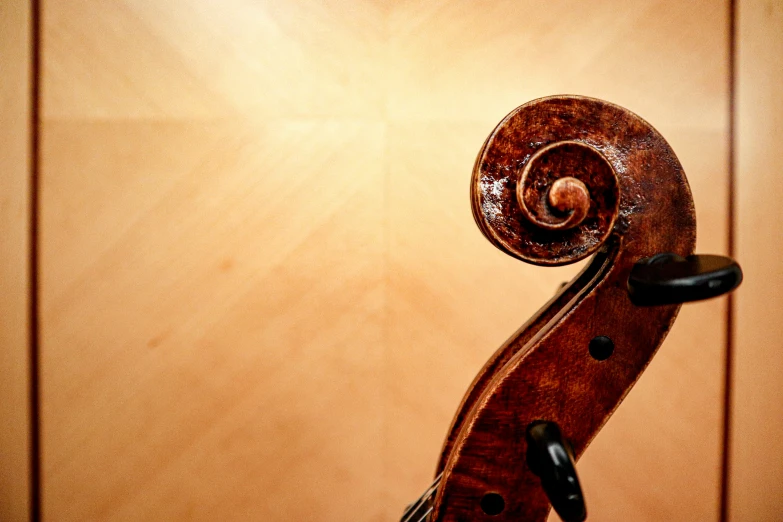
557, 180
547, 197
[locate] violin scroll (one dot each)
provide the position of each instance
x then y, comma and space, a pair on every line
558, 184
547, 205
558, 180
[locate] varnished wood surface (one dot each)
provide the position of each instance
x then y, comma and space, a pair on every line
549, 374
15, 39
263, 291
756, 457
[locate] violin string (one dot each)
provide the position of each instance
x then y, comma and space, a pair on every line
426, 514
413, 508
419, 505
433, 487
426, 495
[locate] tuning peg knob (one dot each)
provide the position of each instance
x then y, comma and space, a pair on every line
672, 279
551, 458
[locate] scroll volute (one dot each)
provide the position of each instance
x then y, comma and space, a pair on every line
558, 180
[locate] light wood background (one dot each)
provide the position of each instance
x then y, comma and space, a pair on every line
756, 449
262, 292
15, 83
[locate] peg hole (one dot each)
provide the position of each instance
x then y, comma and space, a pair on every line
493, 504
601, 348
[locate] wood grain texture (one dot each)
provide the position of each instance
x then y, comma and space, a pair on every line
263, 291
15, 100
756, 458
549, 374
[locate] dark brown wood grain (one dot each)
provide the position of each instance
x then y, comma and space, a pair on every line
528, 184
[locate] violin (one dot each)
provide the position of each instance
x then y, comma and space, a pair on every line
558, 180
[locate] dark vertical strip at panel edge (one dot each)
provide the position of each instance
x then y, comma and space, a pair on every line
729, 368
33, 313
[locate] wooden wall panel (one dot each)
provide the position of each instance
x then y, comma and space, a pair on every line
756, 465
263, 292
213, 273
15, 96
212, 320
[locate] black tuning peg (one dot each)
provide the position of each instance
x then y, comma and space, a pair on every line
551, 458
672, 279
